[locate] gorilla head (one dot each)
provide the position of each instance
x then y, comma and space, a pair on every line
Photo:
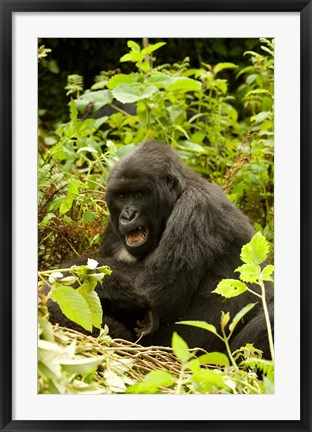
142, 190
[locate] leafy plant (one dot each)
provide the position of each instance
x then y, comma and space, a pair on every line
80, 304
253, 254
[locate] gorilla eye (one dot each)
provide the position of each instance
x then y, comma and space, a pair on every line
139, 195
121, 196
170, 180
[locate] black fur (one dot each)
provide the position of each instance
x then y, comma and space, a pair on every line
195, 235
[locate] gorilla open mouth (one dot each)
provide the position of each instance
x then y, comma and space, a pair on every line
137, 237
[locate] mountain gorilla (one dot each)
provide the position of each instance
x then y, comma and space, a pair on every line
171, 237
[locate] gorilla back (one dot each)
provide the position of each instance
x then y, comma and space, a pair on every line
180, 236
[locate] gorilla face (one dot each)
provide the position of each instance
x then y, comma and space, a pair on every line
134, 215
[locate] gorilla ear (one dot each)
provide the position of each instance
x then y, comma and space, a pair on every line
170, 180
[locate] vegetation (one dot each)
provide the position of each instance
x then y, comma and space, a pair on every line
221, 130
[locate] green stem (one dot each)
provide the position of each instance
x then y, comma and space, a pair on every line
180, 379
228, 349
267, 318
47, 272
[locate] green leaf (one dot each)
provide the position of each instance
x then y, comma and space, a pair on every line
96, 100
180, 348
186, 84
81, 365
261, 117
160, 80
220, 66
88, 216
267, 273
73, 186
96, 276
144, 66
73, 305
256, 251
127, 93
214, 358
193, 147
152, 382
119, 79
249, 273
134, 46
45, 329
240, 315
152, 48
69, 280
205, 379
87, 149
104, 269
149, 91
94, 304
200, 324
67, 204
73, 113
230, 288
133, 57
222, 85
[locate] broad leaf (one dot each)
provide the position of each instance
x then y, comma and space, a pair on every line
96, 100
119, 79
205, 379
240, 315
201, 324
214, 358
249, 272
132, 56
230, 288
135, 47
267, 273
152, 48
256, 251
180, 348
220, 66
94, 304
127, 93
184, 83
81, 365
152, 382
73, 305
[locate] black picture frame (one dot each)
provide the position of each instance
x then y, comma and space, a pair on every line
8, 7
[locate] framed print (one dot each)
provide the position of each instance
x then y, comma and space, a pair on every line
27, 405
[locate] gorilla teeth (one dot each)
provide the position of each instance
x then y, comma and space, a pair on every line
137, 237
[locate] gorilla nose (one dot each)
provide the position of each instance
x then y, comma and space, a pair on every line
128, 216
